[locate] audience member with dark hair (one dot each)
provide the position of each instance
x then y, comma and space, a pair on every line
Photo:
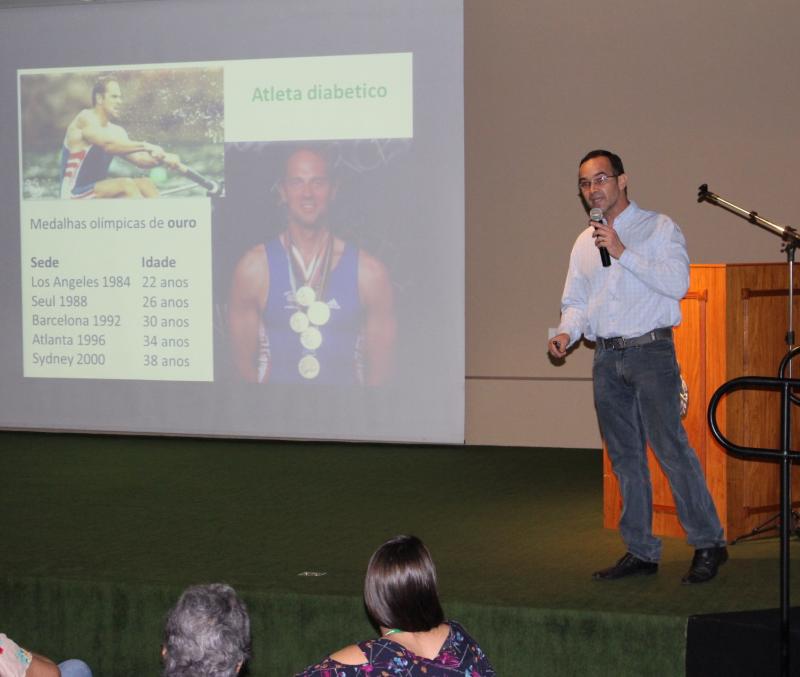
18, 662
402, 601
207, 633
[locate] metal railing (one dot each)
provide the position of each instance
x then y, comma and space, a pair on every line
785, 455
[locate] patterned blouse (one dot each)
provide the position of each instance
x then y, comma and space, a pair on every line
14, 660
460, 655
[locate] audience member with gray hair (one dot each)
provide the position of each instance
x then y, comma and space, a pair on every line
207, 633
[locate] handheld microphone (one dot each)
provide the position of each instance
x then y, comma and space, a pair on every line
596, 215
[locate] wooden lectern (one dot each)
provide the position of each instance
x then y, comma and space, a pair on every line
735, 319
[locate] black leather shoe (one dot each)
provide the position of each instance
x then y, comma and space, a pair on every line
628, 565
705, 563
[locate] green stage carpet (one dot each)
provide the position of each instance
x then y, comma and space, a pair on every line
101, 533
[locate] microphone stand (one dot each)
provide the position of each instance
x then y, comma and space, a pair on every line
791, 239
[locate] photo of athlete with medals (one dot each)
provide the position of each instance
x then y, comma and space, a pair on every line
307, 306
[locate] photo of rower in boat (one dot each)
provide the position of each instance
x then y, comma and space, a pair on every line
128, 133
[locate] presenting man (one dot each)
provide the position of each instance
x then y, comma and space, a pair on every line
92, 141
307, 306
629, 309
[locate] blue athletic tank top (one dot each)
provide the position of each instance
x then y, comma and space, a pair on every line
338, 355
80, 170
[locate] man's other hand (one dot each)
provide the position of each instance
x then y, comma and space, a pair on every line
557, 346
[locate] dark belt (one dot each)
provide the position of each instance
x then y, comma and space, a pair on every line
620, 343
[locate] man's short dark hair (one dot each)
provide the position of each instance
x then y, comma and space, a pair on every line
100, 87
207, 633
400, 586
613, 158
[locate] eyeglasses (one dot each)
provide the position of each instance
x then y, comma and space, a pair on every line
602, 180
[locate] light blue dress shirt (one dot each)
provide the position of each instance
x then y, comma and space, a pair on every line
639, 292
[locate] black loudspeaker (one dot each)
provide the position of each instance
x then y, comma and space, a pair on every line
740, 643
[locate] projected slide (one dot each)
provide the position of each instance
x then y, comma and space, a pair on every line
253, 228
118, 290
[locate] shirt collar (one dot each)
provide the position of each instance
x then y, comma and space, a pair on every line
626, 216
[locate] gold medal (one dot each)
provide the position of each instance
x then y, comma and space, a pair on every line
305, 296
308, 367
311, 338
319, 313
298, 321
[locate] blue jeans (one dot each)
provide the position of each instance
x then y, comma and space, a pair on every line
636, 397
74, 668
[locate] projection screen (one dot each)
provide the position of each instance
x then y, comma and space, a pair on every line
239, 218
